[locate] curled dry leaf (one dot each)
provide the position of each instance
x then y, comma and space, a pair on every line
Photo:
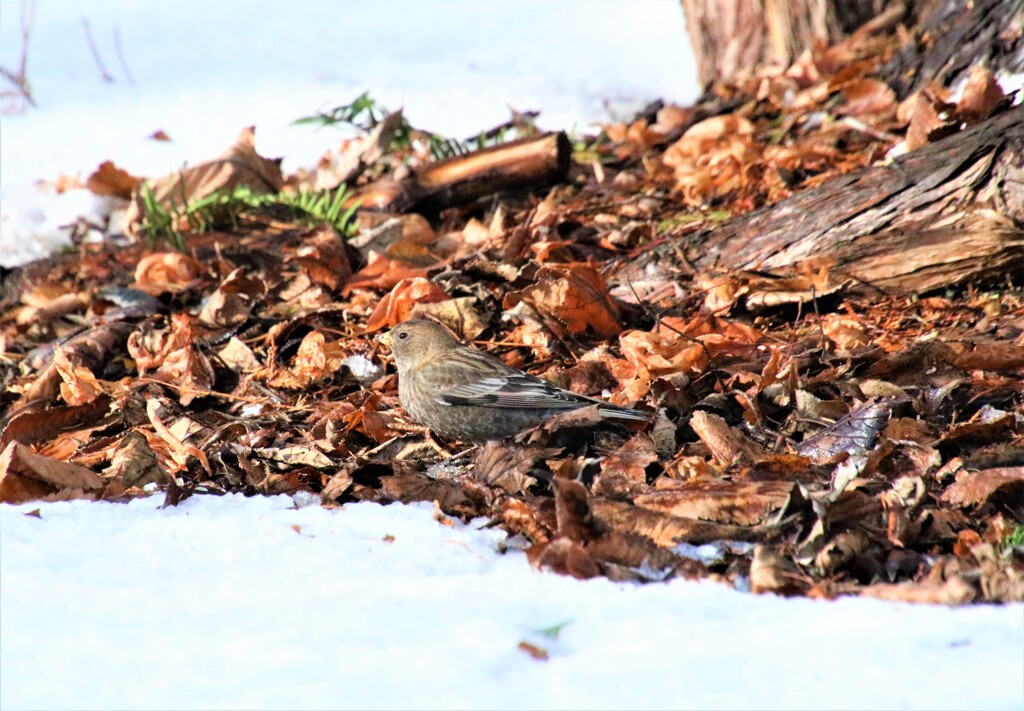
324, 257
728, 445
872, 97
853, 434
397, 306
981, 94
91, 349
972, 488
573, 295
79, 386
572, 511
314, 360
773, 572
25, 476
238, 356
48, 302
189, 371
624, 473
231, 303
743, 503
239, 166
112, 181
712, 158
166, 272
565, 557
149, 347
461, 315
522, 517
925, 121
168, 445
953, 591
32, 427
295, 455
508, 466
135, 463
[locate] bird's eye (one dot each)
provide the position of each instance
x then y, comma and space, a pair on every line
403, 335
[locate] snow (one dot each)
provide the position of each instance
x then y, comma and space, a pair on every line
203, 71
227, 602
278, 603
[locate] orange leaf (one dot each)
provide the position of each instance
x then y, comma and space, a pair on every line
575, 295
397, 306
108, 179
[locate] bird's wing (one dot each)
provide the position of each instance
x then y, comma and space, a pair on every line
518, 390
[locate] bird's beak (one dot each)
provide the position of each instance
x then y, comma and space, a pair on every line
385, 338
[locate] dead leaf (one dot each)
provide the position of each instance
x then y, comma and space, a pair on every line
727, 444
397, 306
981, 94
239, 166
737, 502
25, 476
166, 272
135, 463
871, 97
533, 650
954, 591
976, 487
771, 571
108, 179
574, 296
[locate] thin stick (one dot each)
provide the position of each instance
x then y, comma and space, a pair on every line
96, 53
120, 57
20, 78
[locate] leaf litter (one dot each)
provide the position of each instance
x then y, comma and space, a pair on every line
821, 439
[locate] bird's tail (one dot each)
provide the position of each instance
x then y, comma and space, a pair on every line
622, 413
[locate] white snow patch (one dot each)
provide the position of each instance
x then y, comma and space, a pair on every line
364, 369
228, 602
205, 70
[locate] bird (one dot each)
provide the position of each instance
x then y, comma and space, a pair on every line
462, 393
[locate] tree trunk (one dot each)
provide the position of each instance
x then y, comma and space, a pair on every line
947, 213
731, 39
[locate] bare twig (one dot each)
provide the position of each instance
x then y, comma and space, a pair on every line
120, 57
661, 322
96, 53
19, 78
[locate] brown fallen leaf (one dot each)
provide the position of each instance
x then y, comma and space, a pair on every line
953, 591
853, 434
135, 463
32, 427
25, 476
976, 487
91, 349
166, 272
239, 166
110, 180
565, 557
533, 650
397, 306
774, 572
744, 503
573, 295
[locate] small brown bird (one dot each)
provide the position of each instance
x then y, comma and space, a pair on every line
463, 393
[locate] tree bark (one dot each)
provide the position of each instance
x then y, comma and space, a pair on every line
953, 37
732, 39
947, 213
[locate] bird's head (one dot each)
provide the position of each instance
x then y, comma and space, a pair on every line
418, 341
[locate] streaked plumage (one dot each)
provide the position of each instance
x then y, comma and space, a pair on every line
463, 393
